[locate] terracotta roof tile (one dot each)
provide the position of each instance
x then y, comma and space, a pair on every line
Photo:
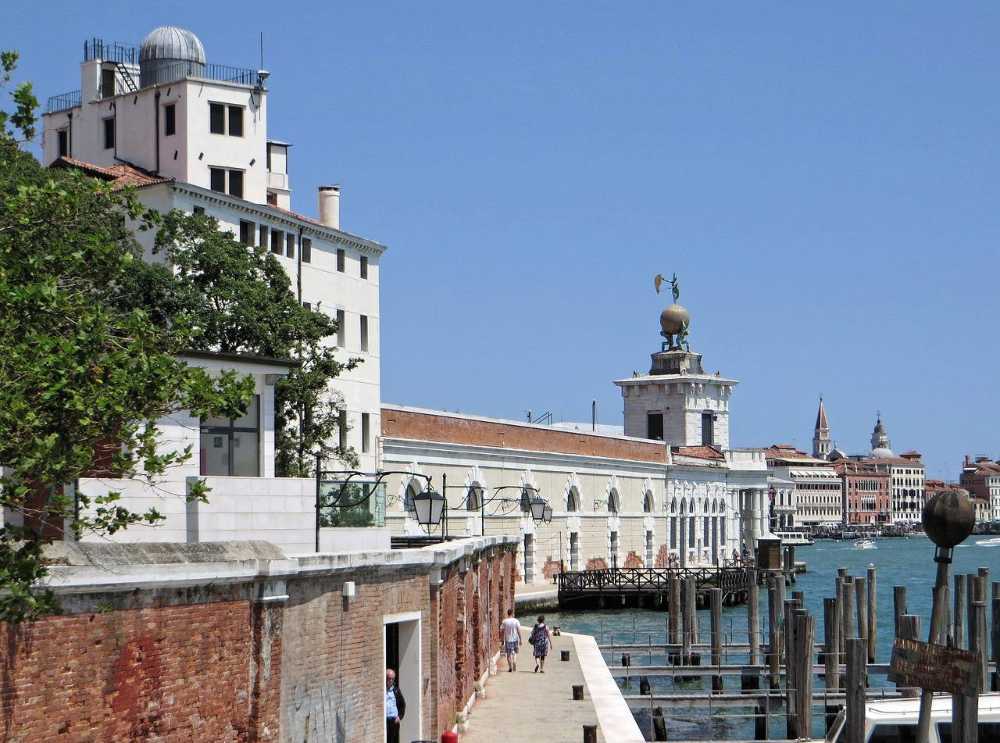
120, 175
698, 452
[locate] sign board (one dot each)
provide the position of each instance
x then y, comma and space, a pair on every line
935, 667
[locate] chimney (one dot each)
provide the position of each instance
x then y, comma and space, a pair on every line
968, 461
329, 206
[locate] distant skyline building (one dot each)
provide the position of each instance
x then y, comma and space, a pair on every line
822, 445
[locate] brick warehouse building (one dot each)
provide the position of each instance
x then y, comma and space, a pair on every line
234, 641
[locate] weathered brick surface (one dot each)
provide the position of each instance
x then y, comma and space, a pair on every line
214, 664
408, 424
174, 673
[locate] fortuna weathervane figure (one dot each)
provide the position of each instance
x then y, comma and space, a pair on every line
674, 321
675, 288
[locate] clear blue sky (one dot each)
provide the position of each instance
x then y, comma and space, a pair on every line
822, 177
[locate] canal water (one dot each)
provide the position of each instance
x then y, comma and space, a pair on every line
900, 562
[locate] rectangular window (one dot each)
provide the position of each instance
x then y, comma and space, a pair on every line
231, 446
365, 431
364, 332
246, 232
307, 305
364, 266
236, 121
236, 183
707, 429
289, 245
199, 210
277, 242
340, 328
341, 259
342, 428
654, 426
262, 231
306, 250
107, 82
216, 118
218, 179
169, 120
109, 133
63, 138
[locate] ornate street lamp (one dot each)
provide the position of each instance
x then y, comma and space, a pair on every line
538, 505
547, 518
429, 507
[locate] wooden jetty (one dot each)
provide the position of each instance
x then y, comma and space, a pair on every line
651, 587
786, 669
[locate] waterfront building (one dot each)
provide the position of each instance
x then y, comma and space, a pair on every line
193, 135
817, 493
866, 493
982, 478
669, 490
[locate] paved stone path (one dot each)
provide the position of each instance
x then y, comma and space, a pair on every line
527, 706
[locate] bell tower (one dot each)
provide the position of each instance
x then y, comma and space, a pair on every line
822, 446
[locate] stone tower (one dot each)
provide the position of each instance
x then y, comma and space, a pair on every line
821, 436
677, 402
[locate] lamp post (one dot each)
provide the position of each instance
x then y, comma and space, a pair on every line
428, 504
536, 504
948, 518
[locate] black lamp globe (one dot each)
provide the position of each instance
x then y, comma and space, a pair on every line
538, 509
429, 506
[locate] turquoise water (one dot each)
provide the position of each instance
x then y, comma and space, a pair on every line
905, 562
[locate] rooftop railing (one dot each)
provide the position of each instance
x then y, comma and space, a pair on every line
63, 101
127, 54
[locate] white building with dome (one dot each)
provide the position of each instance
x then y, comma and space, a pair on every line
191, 134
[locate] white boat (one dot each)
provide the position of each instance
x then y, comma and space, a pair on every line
893, 720
865, 544
991, 542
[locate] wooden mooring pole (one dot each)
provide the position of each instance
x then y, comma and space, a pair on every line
909, 629
805, 633
831, 654
995, 634
753, 617
791, 667
898, 606
861, 596
857, 651
958, 621
715, 601
872, 614
674, 625
774, 642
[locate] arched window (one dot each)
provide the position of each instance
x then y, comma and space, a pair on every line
613, 502
573, 500
473, 498
411, 491
647, 502
673, 505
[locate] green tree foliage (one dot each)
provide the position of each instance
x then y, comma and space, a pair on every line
240, 300
84, 375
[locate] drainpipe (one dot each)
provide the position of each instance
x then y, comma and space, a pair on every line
69, 135
156, 135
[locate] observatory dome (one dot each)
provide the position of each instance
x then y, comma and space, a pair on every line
170, 53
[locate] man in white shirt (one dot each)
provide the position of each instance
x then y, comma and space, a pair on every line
510, 633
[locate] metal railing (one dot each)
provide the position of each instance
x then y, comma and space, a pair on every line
63, 101
110, 51
128, 54
628, 580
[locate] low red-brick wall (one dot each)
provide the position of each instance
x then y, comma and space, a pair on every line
211, 663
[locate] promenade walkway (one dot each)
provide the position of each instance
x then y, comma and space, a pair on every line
527, 706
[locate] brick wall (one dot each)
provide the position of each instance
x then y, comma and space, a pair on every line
210, 662
130, 674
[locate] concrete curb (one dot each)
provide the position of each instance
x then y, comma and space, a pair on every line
613, 713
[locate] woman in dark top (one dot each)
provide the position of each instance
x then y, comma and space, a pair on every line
541, 641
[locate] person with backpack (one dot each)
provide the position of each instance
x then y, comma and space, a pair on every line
541, 640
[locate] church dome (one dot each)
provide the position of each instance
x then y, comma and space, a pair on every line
882, 452
169, 53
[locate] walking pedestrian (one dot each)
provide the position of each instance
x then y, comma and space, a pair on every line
510, 635
395, 707
541, 641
